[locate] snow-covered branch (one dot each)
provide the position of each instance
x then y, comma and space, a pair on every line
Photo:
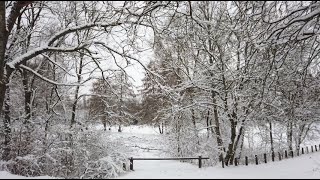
46, 79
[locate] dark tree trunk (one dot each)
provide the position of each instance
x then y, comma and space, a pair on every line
104, 125
230, 151
217, 125
160, 129
289, 136
241, 146
3, 43
240, 136
76, 95
5, 29
208, 123
7, 126
27, 96
271, 138
194, 126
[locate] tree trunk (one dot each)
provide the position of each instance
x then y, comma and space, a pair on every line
76, 95
289, 136
27, 96
178, 134
5, 30
27, 108
160, 125
7, 127
271, 139
207, 121
194, 126
104, 122
209, 124
230, 151
240, 136
3, 43
303, 132
242, 141
217, 124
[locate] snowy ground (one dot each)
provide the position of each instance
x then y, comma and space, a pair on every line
303, 167
139, 141
306, 166
147, 142
7, 175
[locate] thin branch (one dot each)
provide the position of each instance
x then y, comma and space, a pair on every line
52, 61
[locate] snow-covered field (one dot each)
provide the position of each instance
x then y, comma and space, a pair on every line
305, 166
142, 141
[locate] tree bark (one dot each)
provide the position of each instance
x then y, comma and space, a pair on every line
271, 138
242, 142
230, 151
76, 95
5, 29
217, 124
160, 131
28, 97
7, 127
289, 136
193, 117
240, 136
3, 43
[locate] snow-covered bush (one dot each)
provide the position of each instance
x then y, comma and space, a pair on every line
106, 167
70, 154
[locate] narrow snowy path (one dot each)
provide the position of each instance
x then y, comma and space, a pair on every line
141, 144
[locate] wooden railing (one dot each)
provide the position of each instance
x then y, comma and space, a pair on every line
173, 158
284, 154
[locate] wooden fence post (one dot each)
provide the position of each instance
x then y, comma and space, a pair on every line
131, 163
307, 150
279, 156
311, 148
236, 161
246, 160
256, 157
265, 157
298, 152
272, 156
302, 151
200, 163
285, 154
292, 153
315, 147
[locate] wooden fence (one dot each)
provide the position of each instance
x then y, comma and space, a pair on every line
274, 156
174, 158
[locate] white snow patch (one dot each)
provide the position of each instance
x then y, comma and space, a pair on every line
7, 175
135, 129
